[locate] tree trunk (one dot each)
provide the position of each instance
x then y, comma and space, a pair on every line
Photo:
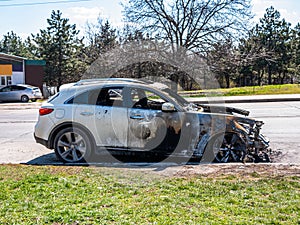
260, 75
174, 84
227, 80
269, 75
251, 79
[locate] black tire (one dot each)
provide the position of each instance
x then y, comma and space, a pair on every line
24, 98
229, 147
33, 100
72, 145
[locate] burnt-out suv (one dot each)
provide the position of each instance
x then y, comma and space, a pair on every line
137, 117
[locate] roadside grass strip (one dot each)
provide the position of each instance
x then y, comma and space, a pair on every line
245, 91
99, 195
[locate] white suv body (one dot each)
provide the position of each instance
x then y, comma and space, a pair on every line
133, 116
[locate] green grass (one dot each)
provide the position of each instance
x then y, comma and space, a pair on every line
40, 100
79, 195
255, 90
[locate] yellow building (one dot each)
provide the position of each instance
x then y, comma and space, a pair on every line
12, 69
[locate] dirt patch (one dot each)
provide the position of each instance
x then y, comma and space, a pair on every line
241, 170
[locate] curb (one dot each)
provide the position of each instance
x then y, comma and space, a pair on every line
245, 99
242, 101
19, 106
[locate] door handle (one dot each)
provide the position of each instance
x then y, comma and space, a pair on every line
137, 117
86, 113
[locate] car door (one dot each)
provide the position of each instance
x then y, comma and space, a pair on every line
6, 94
101, 110
149, 128
17, 92
111, 118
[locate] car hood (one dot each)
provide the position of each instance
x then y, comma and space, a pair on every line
223, 109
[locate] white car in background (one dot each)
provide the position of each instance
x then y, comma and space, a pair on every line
20, 92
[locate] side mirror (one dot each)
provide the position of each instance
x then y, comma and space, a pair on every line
168, 107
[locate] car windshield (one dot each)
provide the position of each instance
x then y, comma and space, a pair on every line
180, 100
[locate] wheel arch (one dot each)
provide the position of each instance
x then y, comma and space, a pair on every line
205, 140
214, 136
64, 125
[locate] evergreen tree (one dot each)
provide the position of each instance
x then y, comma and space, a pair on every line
283, 52
13, 44
61, 48
274, 35
254, 58
295, 52
266, 52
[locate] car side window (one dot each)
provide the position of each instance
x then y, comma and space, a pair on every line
81, 99
145, 99
17, 88
110, 97
6, 89
21, 88
102, 97
14, 88
85, 98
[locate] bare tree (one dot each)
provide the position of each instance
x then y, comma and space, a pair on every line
193, 24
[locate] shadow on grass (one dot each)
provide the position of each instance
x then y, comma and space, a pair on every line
115, 161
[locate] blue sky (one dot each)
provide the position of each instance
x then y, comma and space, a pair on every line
26, 19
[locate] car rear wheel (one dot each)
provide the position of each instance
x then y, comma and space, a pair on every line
72, 145
24, 98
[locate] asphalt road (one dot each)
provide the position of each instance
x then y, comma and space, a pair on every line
282, 127
16, 136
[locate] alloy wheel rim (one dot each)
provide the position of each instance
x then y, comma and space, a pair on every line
71, 146
229, 149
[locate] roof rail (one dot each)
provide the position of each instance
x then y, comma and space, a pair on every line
102, 80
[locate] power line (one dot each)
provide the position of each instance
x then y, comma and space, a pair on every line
40, 3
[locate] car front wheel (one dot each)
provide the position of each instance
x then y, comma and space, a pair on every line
229, 147
72, 145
